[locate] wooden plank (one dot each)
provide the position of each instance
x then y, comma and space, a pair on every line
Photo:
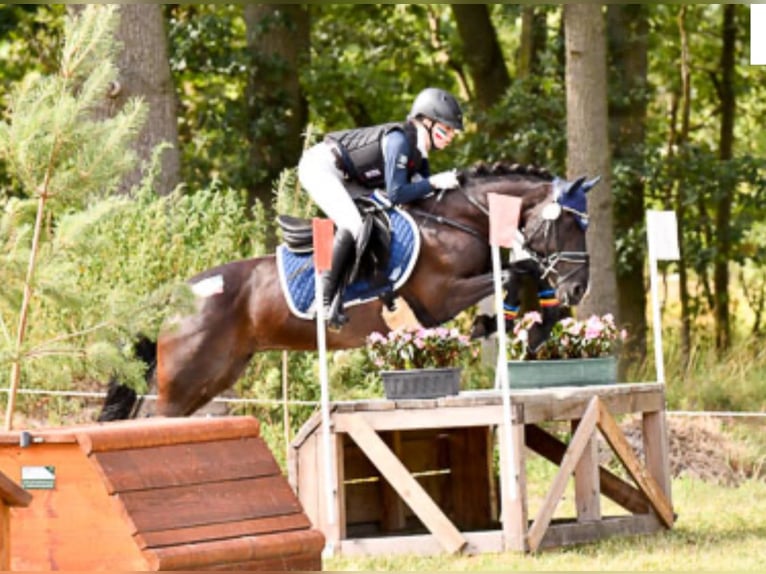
578, 444
340, 493
226, 501
306, 562
392, 507
655, 435
11, 494
420, 544
185, 464
587, 488
363, 503
5, 538
567, 534
612, 486
411, 419
309, 468
566, 408
190, 535
407, 487
470, 455
203, 555
645, 481
146, 433
513, 510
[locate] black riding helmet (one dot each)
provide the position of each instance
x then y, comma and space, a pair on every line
439, 105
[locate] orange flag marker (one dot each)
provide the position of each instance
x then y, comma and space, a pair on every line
323, 236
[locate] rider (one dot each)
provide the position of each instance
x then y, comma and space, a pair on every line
392, 155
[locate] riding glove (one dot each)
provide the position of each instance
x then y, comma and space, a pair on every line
444, 180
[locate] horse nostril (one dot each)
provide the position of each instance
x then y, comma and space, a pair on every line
577, 292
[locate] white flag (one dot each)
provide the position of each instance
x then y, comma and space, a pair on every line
662, 234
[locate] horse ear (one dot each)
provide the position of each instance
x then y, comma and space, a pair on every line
588, 185
574, 186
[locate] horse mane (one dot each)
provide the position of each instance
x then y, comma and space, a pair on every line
502, 168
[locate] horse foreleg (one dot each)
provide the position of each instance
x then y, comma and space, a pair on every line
459, 295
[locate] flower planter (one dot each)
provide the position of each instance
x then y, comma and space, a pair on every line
421, 383
562, 373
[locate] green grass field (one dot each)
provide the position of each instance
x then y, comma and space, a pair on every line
718, 529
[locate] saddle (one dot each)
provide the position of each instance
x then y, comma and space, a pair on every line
373, 246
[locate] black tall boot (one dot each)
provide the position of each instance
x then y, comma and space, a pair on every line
343, 251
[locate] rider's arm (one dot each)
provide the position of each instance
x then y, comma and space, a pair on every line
396, 153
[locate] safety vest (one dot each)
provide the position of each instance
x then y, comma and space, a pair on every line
362, 151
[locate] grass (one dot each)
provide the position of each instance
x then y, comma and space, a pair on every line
718, 529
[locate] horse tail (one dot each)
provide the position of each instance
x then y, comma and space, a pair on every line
121, 401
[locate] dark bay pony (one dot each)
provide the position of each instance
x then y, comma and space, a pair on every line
201, 355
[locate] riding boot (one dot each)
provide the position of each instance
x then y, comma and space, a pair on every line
343, 252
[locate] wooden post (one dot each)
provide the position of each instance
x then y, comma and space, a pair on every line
10, 495
513, 510
587, 488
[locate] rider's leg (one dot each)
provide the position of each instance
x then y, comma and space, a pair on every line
323, 180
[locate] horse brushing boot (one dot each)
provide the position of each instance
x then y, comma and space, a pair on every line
343, 252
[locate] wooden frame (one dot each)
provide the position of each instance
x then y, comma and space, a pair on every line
380, 430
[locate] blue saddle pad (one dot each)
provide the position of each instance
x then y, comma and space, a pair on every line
296, 270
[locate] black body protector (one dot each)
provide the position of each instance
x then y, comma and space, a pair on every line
361, 152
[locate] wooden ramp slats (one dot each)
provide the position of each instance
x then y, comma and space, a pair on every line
247, 549
228, 501
306, 562
612, 486
179, 465
11, 494
116, 436
209, 532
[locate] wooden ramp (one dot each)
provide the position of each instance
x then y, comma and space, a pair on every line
158, 494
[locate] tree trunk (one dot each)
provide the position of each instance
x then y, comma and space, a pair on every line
628, 30
723, 203
278, 40
682, 140
588, 146
145, 72
533, 40
482, 52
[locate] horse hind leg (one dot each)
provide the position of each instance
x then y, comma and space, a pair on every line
198, 380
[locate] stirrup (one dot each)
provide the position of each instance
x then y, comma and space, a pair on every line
336, 317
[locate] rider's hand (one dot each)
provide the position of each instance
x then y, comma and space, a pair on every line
444, 180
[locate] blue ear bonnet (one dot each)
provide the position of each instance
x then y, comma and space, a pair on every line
572, 195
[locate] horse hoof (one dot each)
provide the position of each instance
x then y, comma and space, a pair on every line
336, 322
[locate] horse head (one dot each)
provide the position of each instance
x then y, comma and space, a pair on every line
552, 225
555, 232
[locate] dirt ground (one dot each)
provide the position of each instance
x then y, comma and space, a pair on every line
701, 448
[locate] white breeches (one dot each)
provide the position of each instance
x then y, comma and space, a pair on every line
321, 178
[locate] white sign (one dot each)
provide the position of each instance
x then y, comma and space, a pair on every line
38, 477
662, 232
757, 34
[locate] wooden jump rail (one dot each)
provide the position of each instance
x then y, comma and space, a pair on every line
406, 467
